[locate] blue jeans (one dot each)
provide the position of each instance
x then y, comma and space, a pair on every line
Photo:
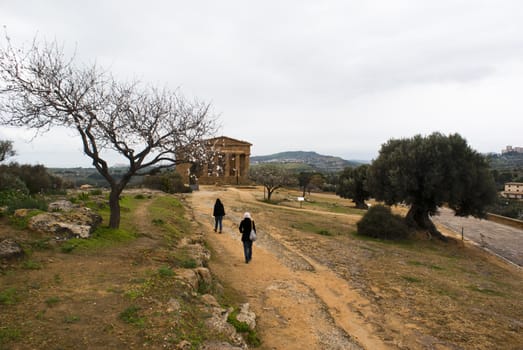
247, 250
218, 222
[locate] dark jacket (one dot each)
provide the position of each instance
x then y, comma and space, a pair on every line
245, 229
219, 210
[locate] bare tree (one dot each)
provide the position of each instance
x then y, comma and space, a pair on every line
272, 177
6, 150
41, 89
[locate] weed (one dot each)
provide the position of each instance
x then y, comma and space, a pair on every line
68, 247
411, 279
165, 271
242, 327
31, 265
41, 244
52, 301
131, 316
9, 296
71, 319
158, 222
486, 291
9, 334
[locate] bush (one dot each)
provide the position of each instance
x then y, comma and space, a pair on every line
379, 222
14, 200
170, 182
36, 178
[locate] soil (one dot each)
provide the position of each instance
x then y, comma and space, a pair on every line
311, 291
308, 290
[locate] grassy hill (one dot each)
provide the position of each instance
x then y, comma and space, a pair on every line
307, 161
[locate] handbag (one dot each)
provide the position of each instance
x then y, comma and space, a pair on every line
252, 235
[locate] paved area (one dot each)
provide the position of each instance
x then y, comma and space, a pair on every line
502, 240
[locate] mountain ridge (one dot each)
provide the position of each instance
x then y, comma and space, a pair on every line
320, 162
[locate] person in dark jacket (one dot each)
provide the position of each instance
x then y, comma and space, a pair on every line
246, 226
218, 213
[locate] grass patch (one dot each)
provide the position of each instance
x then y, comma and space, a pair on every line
165, 271
52, 301
411, 279
9, 334
71, 319
310, 227
31, 265
9, 296
131, 316
250, 335
103, 237
486, 291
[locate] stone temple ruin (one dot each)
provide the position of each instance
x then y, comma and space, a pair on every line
228, 166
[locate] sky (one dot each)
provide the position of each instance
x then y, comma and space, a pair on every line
338, 77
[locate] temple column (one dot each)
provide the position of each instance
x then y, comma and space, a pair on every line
227, 165
237, 165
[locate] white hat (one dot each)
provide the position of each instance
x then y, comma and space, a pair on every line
247, 215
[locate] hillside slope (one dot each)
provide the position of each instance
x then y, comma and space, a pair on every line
317, 161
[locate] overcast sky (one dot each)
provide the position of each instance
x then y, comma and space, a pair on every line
336, 77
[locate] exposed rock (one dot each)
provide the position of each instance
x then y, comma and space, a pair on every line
220, 346
61, 205
173, 305
218, 323
10, 249
21, 213
184, 345
190, 277
199, 253
210, 300
204, 276
77, 223
247, 316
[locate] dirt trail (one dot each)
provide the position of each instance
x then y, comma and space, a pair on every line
300, 303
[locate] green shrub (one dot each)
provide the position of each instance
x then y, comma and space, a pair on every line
14, 200
379, 222
170, 182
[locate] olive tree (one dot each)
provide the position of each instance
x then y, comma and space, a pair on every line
352, 184
148, 127
428, 172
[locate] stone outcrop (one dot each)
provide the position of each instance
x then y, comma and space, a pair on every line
74, 223
10, 249
247, 316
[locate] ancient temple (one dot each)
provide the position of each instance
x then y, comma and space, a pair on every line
229, 164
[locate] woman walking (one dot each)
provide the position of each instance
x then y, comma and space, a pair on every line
246, 226
218, 213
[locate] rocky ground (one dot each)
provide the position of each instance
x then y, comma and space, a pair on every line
312, 283
323, 291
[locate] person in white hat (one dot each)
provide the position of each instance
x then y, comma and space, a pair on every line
246, 226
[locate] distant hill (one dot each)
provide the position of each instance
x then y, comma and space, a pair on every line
307, 161
506, 161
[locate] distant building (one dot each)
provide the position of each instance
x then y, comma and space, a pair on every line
510, 149
229, 165
513, 190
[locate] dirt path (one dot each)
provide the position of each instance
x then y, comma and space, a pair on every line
300, 303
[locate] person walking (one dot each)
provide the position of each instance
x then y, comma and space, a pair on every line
246, 225
218, 213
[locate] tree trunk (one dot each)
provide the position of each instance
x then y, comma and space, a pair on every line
361, 204
114, 206
269, 193
418, 217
